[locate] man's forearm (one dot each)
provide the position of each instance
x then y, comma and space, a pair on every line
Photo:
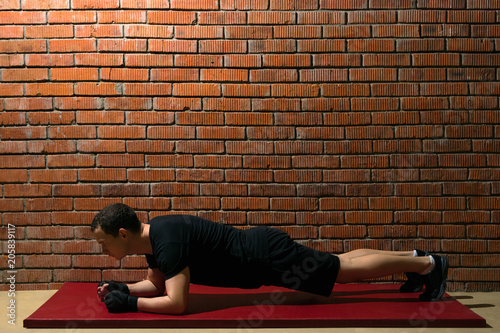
162, 304
145, 288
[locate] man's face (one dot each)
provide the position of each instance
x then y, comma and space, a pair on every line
113, 246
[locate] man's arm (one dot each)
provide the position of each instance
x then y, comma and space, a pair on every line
154, 285
176, 299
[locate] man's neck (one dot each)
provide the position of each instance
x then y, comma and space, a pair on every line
142, 244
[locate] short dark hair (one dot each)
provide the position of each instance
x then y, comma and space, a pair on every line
115, 216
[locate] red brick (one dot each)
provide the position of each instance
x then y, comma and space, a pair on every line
343, 203
49, 204
15, 162
51, 147
103, 4
175, 189
13, 147
172, 17
270, 133
98, 30
12, 60
196, 89
119, 160
150, 175
217, 161
220, 133
145, 60
226, 104
177, 46
441, 203
317, 161
53, 176
30, 103
373, 74
356, 162
171, 132
382, 231
246, 90
74, 74
386, 60
11, 205
248, 118
195, 203
22, 17
32, 74
373, 17
100, 117
127, 103
56, 31
73, 17
271, 46
421, 16
248, 176
176, 74
396, 31
390, 203
395, 175
200, 118
172, 104
93, 204
124, 74
98, 60
223, 190
222, 46
201, 147
122, 45
239, 75
142, 117
368, 217
72, 45
101, 146
11, 32
22, 133
247, 203
150, 146
417, 217
102, 175
121, 132
97, 89
200, 32
49, 89
10, 4
326, 104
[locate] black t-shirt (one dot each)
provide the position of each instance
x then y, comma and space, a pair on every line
217, 254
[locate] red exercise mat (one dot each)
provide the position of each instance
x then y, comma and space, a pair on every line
76, 305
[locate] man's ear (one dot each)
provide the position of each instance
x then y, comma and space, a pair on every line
123, 233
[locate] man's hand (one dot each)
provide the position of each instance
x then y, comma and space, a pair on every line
119, 302
106, 287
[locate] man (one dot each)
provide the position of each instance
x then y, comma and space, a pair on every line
182, 249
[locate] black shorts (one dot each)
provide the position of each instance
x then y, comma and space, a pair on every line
299, 267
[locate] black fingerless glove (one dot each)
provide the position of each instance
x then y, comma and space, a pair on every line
119, 302
113, 285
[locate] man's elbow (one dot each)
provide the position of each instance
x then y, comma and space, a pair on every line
179, 308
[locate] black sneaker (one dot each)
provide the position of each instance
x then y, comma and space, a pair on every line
415, 282
435, 281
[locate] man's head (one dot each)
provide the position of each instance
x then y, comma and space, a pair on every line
112, 228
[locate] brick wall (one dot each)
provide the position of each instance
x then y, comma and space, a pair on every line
347, 123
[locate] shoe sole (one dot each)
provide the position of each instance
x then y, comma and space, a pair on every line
444, 272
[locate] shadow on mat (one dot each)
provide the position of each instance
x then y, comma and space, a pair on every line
199, 303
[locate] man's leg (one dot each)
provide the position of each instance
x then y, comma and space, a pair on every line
368, 264
365, 252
